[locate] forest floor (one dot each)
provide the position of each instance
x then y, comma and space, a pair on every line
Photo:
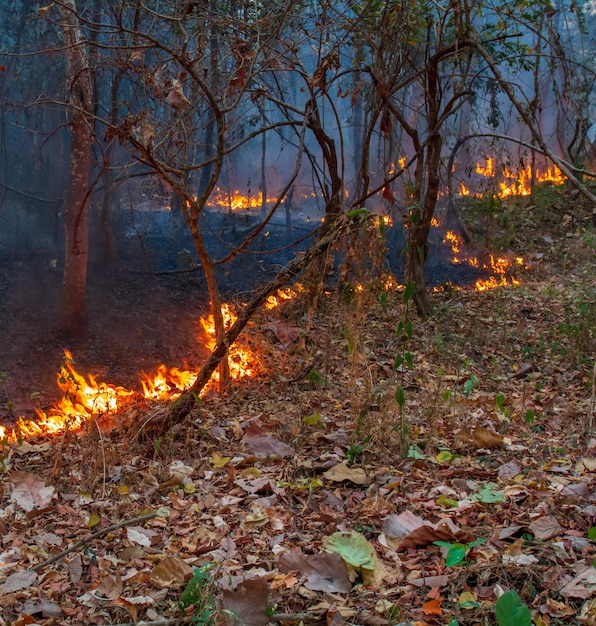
315, 491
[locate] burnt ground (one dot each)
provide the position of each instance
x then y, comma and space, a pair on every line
143, 310
136, 322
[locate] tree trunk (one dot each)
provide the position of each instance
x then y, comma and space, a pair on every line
180, 408
76, 245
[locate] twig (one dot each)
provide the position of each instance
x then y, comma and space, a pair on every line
95, 535
285, 618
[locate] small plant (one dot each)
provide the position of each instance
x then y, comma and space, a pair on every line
457, 552
510, 611
469, 385
197, 593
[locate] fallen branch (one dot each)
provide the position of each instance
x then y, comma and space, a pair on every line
181, 407
95, 535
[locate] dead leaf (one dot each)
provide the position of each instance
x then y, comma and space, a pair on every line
546, 527
323, 572
427, 534
75, 569
509, 470
176, 97
268, 447
109, 588
486, 438
29, 491
433, 607
341, 472
170, 572
23, 579
247, 604
582, 586
141, 536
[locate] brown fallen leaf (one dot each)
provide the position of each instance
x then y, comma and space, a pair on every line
486, 438
247, 604
269, 446
546, 527
341, 472
323, 572
22, 579
170, 572
29, 491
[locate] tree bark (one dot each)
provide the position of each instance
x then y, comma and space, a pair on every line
76, 233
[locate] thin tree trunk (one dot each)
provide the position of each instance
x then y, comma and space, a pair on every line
180, 408
80, 96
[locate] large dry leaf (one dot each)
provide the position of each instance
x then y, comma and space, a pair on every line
109, 588
398, 526
323, 572
582, 586
445, 530
170, 572
22, 579
247, 604
29, 491
486, 438
546, 527
42, 605
140, 536
268, 446
341, 472
176, 97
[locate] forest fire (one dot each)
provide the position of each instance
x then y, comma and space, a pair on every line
499, 267
237, 201
85, 398
512, 183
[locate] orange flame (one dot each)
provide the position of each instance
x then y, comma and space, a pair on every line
85, 397
236, 200
498, 266
514, 183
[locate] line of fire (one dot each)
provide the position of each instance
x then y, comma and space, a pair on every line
83, 397
162, 166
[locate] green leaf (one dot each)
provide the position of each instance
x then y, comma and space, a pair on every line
194, 587
444, 456
312, 420
400, 396
469, 385
510, 611
353, 548
489, 494
456, 555
592, 533
357, 212
414, 452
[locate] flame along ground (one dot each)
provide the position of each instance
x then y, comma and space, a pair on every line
512, 183
85, 397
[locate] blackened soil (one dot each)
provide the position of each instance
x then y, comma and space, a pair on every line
137, 320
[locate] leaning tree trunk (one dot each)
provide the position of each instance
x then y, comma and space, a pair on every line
181, 407
76, 245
